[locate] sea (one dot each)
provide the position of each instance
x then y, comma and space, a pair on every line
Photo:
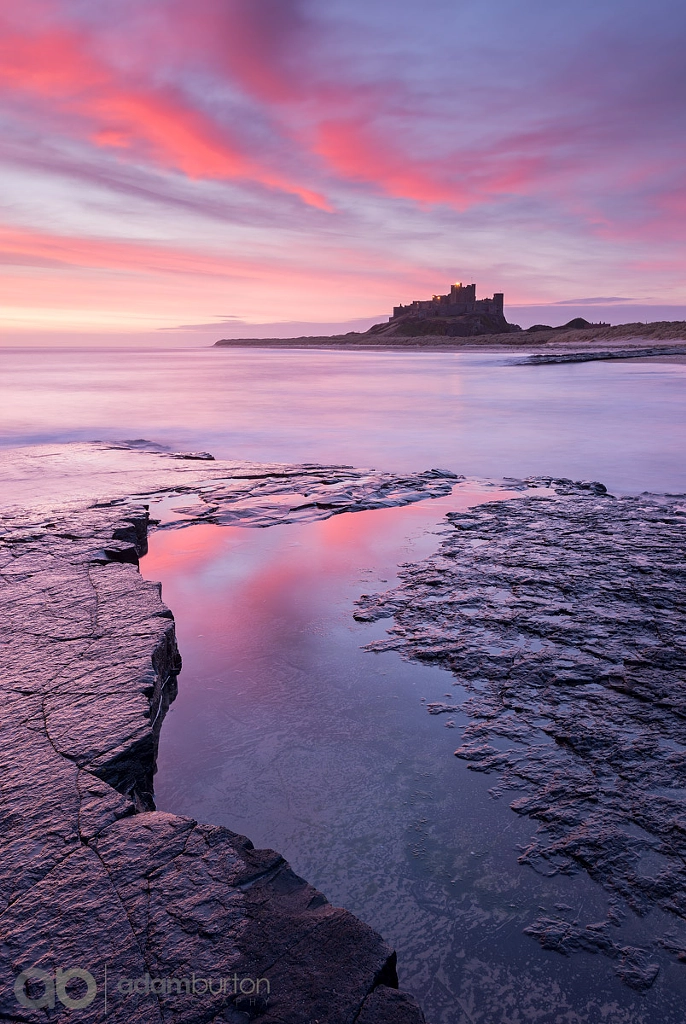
285, 728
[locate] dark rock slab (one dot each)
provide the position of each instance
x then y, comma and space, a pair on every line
562, 617
590, 356
92, 878
385, 1006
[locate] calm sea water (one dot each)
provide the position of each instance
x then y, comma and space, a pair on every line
622, 423
285, 728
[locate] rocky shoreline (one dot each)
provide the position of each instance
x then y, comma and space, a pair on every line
654, 351
151, 906
561, 617
560, 614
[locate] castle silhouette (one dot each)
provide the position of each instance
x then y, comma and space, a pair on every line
460, 299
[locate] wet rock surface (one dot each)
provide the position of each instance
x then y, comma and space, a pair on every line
633, 965
216, 491
562, 618
92, 878
584, 357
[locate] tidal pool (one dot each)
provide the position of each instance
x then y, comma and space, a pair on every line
285, 729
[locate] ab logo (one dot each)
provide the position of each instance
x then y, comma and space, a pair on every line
54, 986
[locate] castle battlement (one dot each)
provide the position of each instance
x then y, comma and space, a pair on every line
460, 299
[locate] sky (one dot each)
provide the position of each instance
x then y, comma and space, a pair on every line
201, 168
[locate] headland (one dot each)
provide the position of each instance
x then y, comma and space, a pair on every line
458, 321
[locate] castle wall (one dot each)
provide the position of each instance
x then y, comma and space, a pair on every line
460, 300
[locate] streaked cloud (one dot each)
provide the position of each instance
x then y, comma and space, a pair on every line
594, 300
341, 157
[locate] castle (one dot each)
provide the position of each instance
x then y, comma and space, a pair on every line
460, 300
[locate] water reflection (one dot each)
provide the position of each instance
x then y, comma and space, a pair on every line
286, 730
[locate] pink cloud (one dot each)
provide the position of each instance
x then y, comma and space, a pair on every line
27, 247
134, 95
62, 72
149, 109
461, 179
348, 271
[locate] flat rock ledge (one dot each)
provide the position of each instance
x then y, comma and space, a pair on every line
540, 358
562, 618
167, 920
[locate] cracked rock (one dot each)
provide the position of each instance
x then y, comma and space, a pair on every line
561, 617
92, 877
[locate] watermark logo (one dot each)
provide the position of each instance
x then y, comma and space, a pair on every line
54, 986
194, 985
76, 988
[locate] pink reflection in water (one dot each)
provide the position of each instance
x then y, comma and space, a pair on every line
286, 730
239, 592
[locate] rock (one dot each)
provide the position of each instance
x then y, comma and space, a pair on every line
632, 964
219, 491
385, 1006
197, 456
469, 325
438, 708
146, 907
562, 617
591, 356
